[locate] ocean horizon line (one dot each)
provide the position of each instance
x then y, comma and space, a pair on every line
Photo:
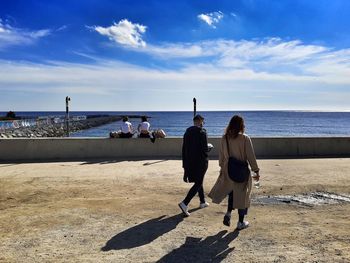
138, 111
262, 123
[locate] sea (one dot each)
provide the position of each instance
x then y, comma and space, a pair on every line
258, 123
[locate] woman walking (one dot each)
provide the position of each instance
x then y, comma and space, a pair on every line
238, 145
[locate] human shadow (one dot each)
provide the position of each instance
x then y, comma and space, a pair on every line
193, 210
5, 165
210, 249
124, 159
143, 233
150, 163
109, 161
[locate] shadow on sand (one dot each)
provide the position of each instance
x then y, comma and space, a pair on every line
143, 233
150, 160
210, 249
150, 163
5, 165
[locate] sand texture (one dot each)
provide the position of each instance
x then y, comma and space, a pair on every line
126, 211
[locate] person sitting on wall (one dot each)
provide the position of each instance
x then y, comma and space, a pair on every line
11, 115
144, 128
126, 128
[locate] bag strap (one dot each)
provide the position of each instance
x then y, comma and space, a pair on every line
228, 147
245, 149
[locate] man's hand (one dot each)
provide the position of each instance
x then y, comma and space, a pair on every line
185, 178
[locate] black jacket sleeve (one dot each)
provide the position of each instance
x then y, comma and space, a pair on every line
184, 152
204, 142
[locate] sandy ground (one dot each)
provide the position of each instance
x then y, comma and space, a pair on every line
126, 211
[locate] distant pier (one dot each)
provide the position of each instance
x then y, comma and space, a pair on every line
53, 126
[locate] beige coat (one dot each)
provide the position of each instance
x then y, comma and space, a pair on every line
241, 148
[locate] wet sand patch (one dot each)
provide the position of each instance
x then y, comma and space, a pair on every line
308, 199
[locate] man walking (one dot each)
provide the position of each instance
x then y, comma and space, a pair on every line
194, 162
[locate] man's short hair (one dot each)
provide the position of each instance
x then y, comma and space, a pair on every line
198, 118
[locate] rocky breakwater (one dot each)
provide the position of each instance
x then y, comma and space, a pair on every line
51, 129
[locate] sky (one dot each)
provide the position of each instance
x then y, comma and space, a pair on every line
114, 55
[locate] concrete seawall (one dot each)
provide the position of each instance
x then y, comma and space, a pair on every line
43, 149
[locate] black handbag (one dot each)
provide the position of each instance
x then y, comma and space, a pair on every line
238, 170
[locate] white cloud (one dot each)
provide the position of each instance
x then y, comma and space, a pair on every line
62, 28
281, 74
271, 48
211, 18
124, 32
105, 85
271, 55
265, 60
11, 36
39, 33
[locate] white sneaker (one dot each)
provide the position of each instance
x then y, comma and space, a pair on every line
243, 225
204, 205
184, 209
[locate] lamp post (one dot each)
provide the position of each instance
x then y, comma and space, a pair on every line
67, 116
194, 107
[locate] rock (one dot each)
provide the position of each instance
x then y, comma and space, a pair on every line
42, 129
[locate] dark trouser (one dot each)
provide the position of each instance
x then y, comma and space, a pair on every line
126, 135
196, 188
241, 212
148, 135
144, 135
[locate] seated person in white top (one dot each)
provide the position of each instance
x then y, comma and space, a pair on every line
126, 128
143, 128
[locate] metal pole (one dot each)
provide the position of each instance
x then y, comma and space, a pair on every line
194, 106
67, 116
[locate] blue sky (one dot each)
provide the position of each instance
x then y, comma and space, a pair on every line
158, 55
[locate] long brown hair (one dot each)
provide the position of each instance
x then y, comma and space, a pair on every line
235, 126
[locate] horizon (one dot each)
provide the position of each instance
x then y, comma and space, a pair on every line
248, 55
190, 111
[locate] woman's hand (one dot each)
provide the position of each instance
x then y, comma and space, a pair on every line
256, 177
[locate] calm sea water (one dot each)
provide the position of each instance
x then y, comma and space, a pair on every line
258, 123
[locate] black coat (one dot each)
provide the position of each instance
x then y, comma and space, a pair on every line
195, 153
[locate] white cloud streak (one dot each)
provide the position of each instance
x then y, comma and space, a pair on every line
11, 36
124, 32
62, 28
116, 81
211, 19
273, 69
271, 59
271, 56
